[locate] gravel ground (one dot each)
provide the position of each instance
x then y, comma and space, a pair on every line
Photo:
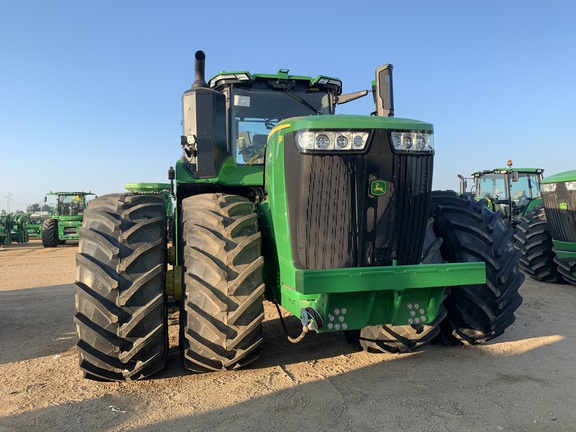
523, 381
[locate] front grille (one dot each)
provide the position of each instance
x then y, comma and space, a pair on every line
562, 223
336, 223
70, 231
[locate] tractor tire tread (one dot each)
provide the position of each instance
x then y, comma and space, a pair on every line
222, 312
121, 316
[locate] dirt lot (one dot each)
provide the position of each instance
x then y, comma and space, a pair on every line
523, 381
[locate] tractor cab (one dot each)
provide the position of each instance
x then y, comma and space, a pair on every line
256, 103
71, 204
514, 191
227, 120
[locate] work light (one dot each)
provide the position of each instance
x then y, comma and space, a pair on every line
413, 141
548, 187
307, 140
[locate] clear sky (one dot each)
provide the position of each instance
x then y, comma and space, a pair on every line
90, 91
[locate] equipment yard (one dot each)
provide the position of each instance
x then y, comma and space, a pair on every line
524, 380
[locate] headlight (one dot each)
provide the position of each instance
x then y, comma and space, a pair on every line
413, 141
331, 141
548, 187
571, 185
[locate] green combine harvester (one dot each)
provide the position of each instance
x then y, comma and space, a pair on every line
331, 217
546, 237
513, 191
65, 223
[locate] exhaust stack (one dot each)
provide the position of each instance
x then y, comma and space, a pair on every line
199, 70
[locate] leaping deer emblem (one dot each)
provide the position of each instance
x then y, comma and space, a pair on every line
378, 187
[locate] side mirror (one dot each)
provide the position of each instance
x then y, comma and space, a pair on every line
463, 184
383, 94
515, 176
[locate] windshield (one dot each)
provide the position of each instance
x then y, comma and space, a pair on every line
527, 186
256, 112
494, 185
71, 205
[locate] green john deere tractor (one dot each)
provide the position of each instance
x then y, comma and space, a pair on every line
331, 217
546, 237
513, 191
65, 223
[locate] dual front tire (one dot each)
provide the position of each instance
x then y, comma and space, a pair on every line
461, 230
121, 304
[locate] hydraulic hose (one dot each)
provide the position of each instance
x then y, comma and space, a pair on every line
305, 330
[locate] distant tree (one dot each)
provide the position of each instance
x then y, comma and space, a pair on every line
33, 208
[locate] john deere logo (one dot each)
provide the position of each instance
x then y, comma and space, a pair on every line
378, 187
563, 206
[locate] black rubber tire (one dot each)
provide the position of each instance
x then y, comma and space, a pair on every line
50, 233
222, 310
400, 339
121, 307
567, 270
171, 230
472, 233
534, 241
404, 338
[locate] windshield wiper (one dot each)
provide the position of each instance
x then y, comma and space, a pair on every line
298, 98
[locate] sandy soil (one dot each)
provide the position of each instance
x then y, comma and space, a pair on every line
523, 381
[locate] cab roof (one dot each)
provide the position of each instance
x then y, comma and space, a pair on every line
321, 82
507, 170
